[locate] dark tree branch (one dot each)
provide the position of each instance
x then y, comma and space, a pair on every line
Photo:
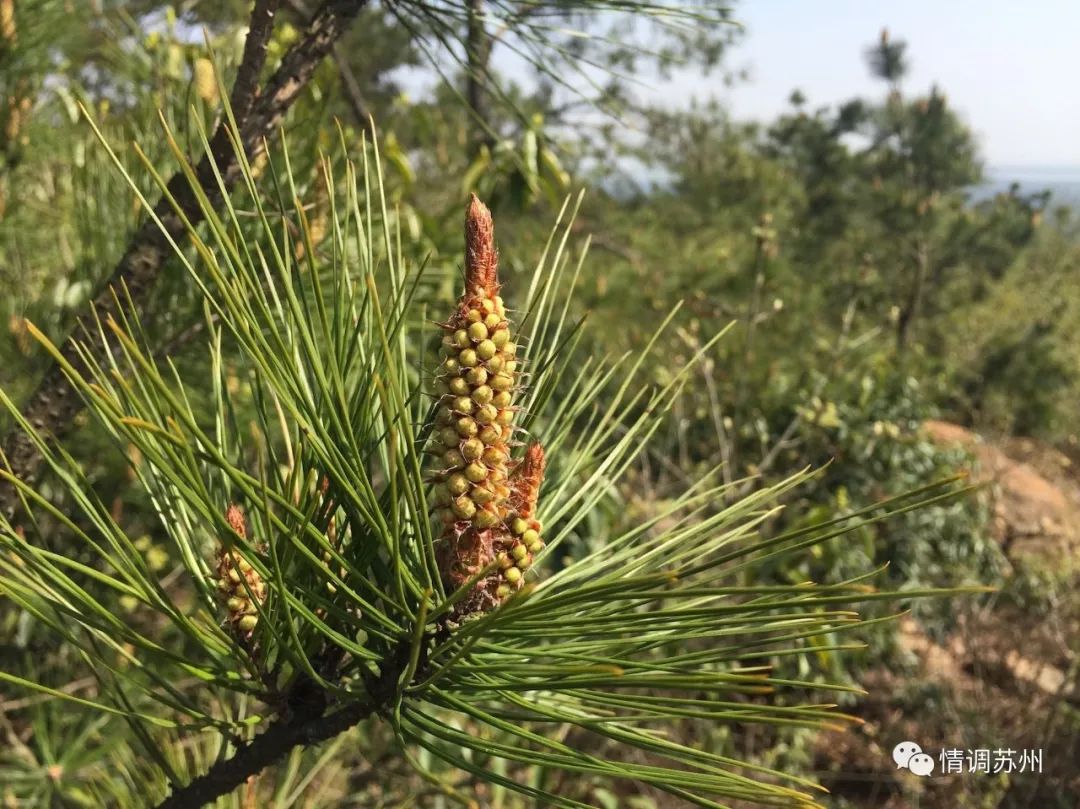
354, 93
304, 721
254, 57
305, 727
52, 406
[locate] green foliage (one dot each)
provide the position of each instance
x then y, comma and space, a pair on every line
1012, 356
861, 291
313, 424
873, 439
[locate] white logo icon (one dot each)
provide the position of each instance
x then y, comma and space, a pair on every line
921, 764
910, 756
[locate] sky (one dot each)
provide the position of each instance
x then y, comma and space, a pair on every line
1011, 69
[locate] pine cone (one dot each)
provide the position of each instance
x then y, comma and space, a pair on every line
233, 573
478, 500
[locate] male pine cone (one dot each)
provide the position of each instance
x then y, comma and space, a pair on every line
485, 501
239, 585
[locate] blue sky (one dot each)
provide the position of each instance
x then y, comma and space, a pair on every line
1012, 69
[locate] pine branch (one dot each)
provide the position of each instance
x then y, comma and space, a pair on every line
303, 723
52, 406
306, 728
245, 88
350, 86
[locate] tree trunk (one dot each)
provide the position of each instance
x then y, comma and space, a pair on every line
913, 305
478, 47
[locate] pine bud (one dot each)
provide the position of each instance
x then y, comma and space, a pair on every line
247, 624
458, 484
486, 349
479, 491
471, 449
239, 585
491, 435
476, 377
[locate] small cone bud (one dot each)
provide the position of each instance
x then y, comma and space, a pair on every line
238, 581
236, 604
247, 623
476, 472
471, 449
457, 484
476, 377
486, 349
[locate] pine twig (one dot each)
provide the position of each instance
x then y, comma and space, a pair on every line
52, 406
354, 94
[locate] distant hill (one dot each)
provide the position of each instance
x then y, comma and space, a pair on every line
1062, 181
